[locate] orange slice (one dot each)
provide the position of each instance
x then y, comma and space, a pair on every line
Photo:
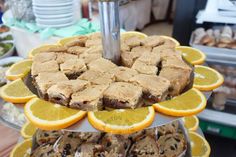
199, 146
133, 33
28, 130
192, 55
207, 79
42, 48
50, 116
22, 149
170, 38
186, 104
19, 70
191, 122
122, 121
16, 92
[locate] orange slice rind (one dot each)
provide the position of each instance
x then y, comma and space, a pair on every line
50, 116
22, 149
28, 130
122, 121
199, 146
206, 78
191, 122
192, 55
189, 103
19, 70
16, 92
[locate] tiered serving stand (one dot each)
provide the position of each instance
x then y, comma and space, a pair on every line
111, 44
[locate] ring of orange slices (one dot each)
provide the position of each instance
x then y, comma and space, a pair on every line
48, 116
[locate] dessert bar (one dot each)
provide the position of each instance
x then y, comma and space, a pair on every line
153, 41
90, 99
123, 74
46, 79
128, 58
122, 95
155, 88
101, 65
73, 68
44, 57
76, 50
60, 92
144, 68
49, 66
87, 57
62, 57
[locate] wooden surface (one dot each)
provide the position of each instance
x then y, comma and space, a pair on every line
8, 138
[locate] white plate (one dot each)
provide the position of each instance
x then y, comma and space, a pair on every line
53, 12
56, 26
40, 16
52, 4
55, 21
51, 1
69, 7
8, 60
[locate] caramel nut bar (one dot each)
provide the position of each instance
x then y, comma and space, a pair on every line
89, 99
155, 88
122, 95
60, 92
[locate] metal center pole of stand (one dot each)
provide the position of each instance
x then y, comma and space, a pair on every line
110, 27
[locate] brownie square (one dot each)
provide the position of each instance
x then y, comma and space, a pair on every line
123, 74
142, 49
161, 48
179, 78
90, 99
144, 68
150, 58
101, 65
89, 57
128, 58
98, 78
90, 75
76, 50
46, 79
62, 57
73, 68
133, 41
60, 92
153, 41
122, 95
44, 57
155, 88
49, 66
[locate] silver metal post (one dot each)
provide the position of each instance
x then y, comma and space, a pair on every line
110, 27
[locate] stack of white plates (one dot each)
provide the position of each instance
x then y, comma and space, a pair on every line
54, 13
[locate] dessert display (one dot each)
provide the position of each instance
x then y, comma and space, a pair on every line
76, 75
163, 141
222, 38
62, 83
